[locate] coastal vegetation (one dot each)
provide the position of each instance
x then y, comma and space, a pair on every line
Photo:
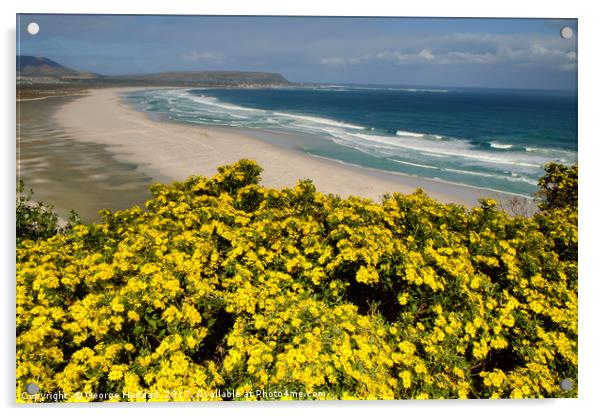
222, 285
36, 220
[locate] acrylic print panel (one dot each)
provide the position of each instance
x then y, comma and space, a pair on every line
295, 208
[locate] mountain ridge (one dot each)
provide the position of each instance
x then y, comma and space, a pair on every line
40, 66
42, 70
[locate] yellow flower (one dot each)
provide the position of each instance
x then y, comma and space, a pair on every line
403, 298
459, 372
406, 378
420, 368
117, 306
366, 275
116, 372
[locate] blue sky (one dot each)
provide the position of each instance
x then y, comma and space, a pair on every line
498, 53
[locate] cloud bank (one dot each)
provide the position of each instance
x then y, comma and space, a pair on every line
469, 49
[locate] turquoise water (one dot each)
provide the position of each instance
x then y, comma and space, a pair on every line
495, 139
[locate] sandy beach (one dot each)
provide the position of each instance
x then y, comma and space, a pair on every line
174, 151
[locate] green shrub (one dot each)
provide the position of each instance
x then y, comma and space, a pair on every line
37, 220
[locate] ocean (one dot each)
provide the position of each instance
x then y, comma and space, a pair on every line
490, 138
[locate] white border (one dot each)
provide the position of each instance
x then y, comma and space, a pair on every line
590, 138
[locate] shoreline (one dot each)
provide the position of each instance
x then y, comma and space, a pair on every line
174, 150
20, 100
71, 174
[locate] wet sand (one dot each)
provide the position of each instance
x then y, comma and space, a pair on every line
68, 173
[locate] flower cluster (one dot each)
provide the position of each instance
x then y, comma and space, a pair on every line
220, 283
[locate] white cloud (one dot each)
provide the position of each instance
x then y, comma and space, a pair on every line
205, 57
459, 57
334, 61
395, 57
426, 54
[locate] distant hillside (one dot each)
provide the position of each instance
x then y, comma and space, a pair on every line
208, 78
32, 70
40, 67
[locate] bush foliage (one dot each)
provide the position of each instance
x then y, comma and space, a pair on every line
558, 187
37, 220
224, 284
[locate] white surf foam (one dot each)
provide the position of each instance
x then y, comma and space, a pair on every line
414, 164
454, 148
496, 145
319, 120
408, 134
513, 178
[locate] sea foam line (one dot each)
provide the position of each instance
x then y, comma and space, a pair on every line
500, 145
517, 178
408, 133
320, 120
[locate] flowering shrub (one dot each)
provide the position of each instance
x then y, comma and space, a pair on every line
558, 187
223, 284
